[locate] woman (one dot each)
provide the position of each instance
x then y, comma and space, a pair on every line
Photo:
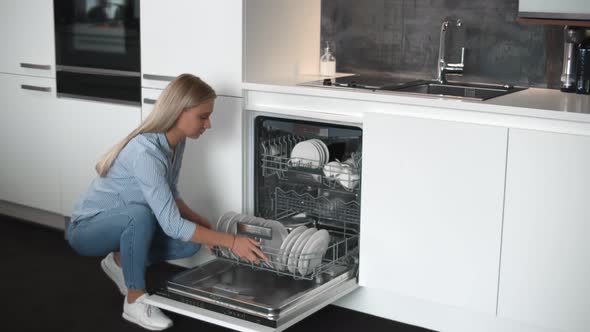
132, 211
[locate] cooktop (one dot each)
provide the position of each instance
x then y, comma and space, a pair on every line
362, 82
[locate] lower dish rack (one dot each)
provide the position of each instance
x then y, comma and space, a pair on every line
339, 219
342, 252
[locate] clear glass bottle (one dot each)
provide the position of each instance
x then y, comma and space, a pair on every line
327, 62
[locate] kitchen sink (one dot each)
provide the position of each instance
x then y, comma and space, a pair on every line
457, 90
474, 91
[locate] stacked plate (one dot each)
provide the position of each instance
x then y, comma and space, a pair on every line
228, 223
312, 153
298, 252
303, 250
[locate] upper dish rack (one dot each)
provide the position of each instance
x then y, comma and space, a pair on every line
276, 160
347, 215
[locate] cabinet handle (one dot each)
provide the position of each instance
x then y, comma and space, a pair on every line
35, 88
158, 77
35, 66
149, 101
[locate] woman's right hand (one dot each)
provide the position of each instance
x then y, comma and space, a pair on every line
247, 249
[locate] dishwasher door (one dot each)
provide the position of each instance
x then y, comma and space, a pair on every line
239, 297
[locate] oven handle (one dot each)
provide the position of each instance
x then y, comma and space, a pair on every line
97, 71
158, 77
35, 66
35, 88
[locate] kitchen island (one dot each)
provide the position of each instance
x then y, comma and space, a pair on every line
473, 213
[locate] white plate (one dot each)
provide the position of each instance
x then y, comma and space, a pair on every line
288, 245
221, 221
221, 227
253, 220
229, 228
279, 233
325, 150
320, 150
297, 247
305, 154
313, 251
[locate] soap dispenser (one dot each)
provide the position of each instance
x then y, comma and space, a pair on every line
327, 62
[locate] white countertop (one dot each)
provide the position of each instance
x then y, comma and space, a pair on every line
532, 102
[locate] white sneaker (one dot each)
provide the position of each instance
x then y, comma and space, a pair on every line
145, 315
110, 267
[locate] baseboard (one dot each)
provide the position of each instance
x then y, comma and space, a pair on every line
34, 215
429, 315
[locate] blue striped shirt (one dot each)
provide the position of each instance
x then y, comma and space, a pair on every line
144, 173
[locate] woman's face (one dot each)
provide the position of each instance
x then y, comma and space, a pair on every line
195, 120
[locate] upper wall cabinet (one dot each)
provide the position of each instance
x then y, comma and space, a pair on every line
563, 10
26, 33
200, 37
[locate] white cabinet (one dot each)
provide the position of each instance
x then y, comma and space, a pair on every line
545, 248
26, 33
211, 175
148, 101
200, 37
89, 129
29, 128
432, 209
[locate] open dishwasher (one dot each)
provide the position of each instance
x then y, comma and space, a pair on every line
307, 178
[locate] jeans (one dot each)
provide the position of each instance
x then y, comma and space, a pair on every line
134, 232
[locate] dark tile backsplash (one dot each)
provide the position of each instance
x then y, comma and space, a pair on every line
401, 38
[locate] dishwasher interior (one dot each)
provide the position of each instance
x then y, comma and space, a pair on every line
307, 178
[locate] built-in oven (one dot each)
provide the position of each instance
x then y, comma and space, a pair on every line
98, 50
306, 175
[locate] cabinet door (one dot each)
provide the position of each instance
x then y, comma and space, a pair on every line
26, 35
432, 209
200, 37
28, 131
545, 248
211, 176
88, 130
148, 100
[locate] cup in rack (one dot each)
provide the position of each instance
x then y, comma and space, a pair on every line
348, 177
332, 169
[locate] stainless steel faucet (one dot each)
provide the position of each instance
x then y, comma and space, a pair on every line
443, 68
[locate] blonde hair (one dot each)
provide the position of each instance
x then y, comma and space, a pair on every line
184, 92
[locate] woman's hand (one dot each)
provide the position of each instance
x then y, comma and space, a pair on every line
247, 249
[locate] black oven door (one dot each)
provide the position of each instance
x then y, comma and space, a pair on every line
98, 49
